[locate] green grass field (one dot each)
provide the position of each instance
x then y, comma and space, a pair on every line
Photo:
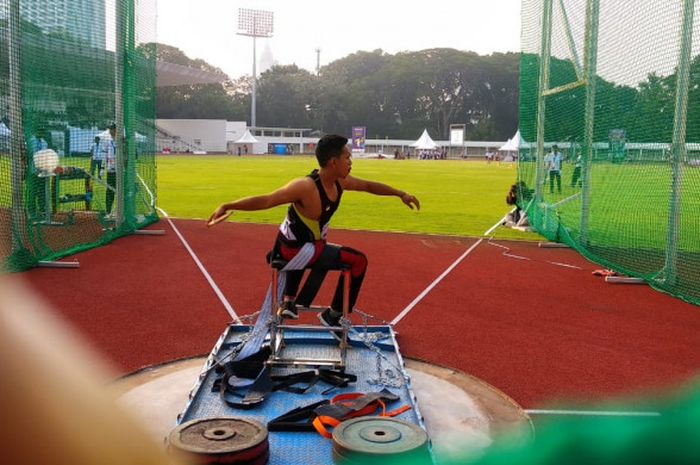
457, 197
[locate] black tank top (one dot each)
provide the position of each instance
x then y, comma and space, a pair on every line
296, 229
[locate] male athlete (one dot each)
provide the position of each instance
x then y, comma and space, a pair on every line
313, 200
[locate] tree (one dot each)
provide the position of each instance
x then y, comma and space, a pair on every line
286, 97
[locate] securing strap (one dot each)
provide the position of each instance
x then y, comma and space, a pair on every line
298, 419
320, 415
346, 406
230, 388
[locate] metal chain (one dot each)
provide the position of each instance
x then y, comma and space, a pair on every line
385, 377
245, 319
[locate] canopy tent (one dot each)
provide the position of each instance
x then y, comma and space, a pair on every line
513, 144
247, 138
4, 130
171, 74
424, 142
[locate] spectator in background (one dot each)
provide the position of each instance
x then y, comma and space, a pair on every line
98, 157
576, 175
553, 165
111, 169
518, 194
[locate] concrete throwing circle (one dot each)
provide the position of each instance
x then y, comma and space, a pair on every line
463, 414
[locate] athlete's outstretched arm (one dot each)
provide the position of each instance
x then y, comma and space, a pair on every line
290, 193
377, 188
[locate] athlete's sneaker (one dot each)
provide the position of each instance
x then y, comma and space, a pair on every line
289, 310
329, 320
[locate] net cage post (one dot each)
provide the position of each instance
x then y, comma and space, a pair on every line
124, 108
570, 41
543, 86
589, 72
17, 150
253, 117
678, 147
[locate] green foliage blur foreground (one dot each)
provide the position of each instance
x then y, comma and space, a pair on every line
462, 198
672, 437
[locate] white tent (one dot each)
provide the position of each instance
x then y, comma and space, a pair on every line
247, 138
424, 142
4, 130
513, 144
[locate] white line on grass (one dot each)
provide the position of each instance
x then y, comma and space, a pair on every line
597, 413
204, 271
425, 292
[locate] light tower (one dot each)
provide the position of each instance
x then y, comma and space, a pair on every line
318, 60
254, 23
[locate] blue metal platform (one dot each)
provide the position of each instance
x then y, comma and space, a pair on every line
377, 365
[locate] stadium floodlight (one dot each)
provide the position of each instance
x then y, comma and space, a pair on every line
254, 23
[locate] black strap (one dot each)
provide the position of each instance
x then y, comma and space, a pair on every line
301, 418
250, 396
329, 255
298, 419
341, 411
336, 378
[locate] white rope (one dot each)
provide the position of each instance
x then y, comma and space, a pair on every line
507, 253
204, 271
598, 413
430, 287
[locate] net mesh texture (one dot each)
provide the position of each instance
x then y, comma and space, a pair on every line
630, 193
70, 69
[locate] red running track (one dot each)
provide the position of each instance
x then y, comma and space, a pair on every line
538, 331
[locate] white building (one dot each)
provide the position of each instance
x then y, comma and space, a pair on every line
208, 135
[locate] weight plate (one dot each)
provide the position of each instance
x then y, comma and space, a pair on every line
377, 436
223, 440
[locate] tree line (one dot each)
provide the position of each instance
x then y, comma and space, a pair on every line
394, 96
645, 112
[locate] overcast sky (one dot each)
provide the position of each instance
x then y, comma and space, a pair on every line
207, 29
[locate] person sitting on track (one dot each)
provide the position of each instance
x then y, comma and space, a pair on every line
313, 199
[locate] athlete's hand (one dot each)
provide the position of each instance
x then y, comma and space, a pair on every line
219, 215
410, 201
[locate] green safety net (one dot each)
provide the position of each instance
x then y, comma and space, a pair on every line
612, 90
70, 70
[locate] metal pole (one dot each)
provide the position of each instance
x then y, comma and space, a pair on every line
17, 150
125, 111
253, 122
119, 106
589, 73
129, 108
678, 149
545, 50
570, 39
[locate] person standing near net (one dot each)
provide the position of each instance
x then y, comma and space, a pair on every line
576, 175
553, 163
313, 200
111, 169
97, 158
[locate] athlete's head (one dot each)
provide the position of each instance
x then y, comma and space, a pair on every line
330, 146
